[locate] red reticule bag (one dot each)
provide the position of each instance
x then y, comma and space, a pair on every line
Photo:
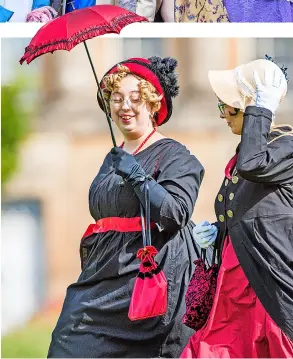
149, 297
150, 293
200, 292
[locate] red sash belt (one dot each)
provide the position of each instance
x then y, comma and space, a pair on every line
117, 224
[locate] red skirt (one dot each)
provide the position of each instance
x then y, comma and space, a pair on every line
238, 325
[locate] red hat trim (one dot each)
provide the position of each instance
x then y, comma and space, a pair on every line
148, 75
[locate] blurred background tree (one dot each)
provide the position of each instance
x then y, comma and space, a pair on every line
14, 125
19, 102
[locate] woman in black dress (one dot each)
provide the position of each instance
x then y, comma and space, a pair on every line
94, 319
252, 313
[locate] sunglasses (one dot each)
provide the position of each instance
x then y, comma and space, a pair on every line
221, 107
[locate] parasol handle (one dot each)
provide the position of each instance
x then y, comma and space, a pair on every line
101, 95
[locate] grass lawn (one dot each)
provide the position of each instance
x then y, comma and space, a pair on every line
31, 341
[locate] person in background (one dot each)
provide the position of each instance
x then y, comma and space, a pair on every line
212, 11
41, 12
259, 10
252, 313
94, 320
232, 10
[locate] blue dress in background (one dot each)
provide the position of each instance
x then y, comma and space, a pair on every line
259, 10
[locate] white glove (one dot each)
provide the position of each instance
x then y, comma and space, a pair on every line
205, 234
269, 93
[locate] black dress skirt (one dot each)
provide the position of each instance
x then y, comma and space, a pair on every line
94, 319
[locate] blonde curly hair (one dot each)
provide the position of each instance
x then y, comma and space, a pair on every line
147, 91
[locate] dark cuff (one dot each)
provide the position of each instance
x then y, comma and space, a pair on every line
157, 196
258, 111
217, 225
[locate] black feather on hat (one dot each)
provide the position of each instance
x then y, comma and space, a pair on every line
164, 68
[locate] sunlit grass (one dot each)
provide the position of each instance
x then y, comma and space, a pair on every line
31, 341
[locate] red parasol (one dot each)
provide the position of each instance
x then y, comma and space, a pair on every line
69, 30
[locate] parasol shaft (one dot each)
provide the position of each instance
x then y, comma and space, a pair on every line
101, 95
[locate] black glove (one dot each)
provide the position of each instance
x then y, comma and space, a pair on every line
126, 166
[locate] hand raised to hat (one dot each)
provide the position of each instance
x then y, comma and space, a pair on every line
269, 93
126, 166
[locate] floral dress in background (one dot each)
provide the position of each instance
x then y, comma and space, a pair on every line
200, 11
